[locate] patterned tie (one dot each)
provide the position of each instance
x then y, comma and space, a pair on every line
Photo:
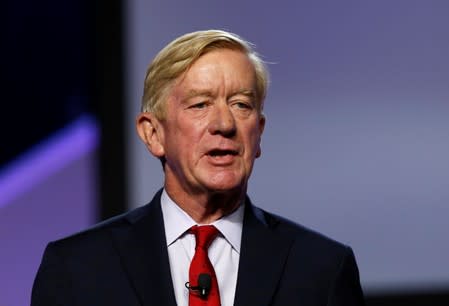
201, 264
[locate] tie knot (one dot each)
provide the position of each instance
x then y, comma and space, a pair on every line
204, 235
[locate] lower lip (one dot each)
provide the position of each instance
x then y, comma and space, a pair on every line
221, 160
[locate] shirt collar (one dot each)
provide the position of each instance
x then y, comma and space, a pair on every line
177, 222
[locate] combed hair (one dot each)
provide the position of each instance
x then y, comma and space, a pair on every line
181, 53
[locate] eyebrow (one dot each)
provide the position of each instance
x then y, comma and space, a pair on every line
197, 93
246, 92
207, 93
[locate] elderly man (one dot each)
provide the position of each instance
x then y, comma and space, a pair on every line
200, 241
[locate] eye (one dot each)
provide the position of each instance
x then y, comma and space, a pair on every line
198, 105
243, 105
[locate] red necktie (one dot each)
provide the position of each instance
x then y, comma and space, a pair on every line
201, 264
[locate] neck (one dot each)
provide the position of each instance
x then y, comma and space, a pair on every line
207, 206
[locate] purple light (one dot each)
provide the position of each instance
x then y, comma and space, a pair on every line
48, 157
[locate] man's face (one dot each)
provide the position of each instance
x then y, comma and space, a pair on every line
212, 129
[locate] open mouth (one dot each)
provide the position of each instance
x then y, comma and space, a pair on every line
220, 153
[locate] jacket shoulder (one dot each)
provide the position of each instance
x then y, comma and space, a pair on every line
97, 235
307, 238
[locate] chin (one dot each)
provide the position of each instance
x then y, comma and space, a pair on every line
225, 185
224, 189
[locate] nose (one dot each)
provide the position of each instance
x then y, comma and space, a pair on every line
222, 120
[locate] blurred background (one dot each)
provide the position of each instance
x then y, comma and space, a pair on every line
356, 144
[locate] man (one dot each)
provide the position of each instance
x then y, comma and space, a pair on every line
202, 117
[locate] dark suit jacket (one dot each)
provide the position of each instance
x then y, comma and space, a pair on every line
124, 262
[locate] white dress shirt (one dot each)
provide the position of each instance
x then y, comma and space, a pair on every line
224, 252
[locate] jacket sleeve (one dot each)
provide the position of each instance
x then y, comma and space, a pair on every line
346, 289
51, 286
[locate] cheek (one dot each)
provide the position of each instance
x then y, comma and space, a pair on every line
255, 136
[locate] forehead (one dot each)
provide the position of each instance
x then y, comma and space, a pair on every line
224, 69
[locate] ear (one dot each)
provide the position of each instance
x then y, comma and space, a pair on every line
150, 131
261, 129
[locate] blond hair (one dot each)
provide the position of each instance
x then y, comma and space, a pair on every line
181, 53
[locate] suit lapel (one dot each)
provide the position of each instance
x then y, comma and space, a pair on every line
143, 250
262, 258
